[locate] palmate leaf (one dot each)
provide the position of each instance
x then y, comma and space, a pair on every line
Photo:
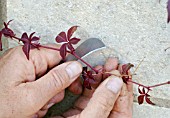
141, 99
143, 90
61, 37
140, 91
6, 31
71, 31
88, 78
26, 49
29, 43
67, 41
63, 50
149, 101
74, 40
24, 37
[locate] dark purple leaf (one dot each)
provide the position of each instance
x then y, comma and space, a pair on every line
61, 37
71, 31
139, 91
149, 101
29, 43
63, 51
126, 68
26, 49
168, 9
9, 22
88, 78
147, 95
30, 37
86, 84
6, 26
24, 37
92, 81
70, 47
7, 32
0, 41
140, 99
143, 90
90, 75
74, 40
35, 38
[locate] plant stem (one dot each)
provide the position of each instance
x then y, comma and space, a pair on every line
74, 54
149, 87
16, 38
159, 84
138, 84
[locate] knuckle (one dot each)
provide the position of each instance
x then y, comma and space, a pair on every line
59, 78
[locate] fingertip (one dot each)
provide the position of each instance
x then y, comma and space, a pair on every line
111, 64
71, 112
76, 87
98, 77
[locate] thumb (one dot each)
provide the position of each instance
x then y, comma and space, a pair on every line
54, 82
103, 99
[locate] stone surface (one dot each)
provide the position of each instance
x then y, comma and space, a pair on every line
147, 111
131, 29
3, 17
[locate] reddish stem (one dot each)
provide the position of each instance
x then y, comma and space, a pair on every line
149, 87
16, 38
159, 84
73, 53
138, 84
96, 71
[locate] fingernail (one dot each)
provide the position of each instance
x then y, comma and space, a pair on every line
114, 84
73, 70
50, 105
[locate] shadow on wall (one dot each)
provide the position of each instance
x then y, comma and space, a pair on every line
3, 17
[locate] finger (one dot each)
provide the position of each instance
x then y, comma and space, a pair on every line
76, 87
56, 99
111, 64
44, 59
37, 65
82, 102
130, 85
51, 84
71, 112
124, 103
103, 99
98, 79
41, 114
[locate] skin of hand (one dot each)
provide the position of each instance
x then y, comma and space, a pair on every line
23, 96
27, 88
109, 98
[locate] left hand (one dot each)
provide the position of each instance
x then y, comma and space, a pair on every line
22, 94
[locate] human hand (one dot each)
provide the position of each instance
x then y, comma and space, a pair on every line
110, 99
21, 95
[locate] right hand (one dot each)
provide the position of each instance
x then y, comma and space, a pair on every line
110, 99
